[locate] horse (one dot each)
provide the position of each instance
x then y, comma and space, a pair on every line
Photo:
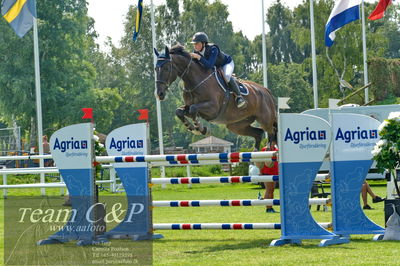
204, 97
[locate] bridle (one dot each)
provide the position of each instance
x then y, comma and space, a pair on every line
170, 70
186, 71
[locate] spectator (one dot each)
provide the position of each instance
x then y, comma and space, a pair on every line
269, 168
46, 150
365, 190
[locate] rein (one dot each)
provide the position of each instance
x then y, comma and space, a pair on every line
200, 83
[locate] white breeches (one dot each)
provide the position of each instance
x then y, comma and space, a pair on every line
228, 70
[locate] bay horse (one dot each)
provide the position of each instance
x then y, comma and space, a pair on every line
204, 97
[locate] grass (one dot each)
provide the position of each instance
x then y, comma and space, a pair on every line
241, 247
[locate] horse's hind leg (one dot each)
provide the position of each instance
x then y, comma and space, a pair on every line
244, 128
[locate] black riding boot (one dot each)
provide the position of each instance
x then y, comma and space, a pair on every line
240, 101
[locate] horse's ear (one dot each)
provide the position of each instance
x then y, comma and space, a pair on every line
156, 52
166, 52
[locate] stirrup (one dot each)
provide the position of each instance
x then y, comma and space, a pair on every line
242, 103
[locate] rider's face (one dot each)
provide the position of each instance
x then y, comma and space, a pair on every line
198, 46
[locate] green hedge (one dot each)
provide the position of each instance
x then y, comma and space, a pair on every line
384, 75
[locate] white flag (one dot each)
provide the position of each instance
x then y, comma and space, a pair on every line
282, 103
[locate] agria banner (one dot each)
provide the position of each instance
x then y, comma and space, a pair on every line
131, 140
71, 148
127, 141
303, 144
304, 138
354, 137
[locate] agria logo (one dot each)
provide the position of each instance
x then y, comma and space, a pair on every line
358, 134
128, 143
72, 144
304, 135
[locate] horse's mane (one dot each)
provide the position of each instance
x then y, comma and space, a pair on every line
179, 49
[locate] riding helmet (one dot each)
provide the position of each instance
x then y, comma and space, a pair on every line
200, 37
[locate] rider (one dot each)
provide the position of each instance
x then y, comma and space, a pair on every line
209, 55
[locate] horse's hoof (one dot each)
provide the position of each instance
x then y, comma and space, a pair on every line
196, 132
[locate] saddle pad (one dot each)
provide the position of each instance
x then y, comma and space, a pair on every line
222, 83
243, 89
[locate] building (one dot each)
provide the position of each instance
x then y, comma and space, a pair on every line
211, 144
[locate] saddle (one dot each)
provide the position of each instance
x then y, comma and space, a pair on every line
220, 77
224, 83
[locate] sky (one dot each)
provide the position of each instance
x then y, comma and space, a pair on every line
245, 17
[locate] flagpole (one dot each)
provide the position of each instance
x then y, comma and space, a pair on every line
264, 48
313, 55
38, 99
158, 104
366, 96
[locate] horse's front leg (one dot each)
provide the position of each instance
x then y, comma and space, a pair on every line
181, 113
204, 108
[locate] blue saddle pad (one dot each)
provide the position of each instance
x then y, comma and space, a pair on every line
222, 83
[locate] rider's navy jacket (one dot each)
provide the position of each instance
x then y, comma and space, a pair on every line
213, 56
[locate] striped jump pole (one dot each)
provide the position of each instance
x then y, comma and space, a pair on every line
216, 179
36, 170
224, 179
223, 226
191, 158
25, 157
229, 203
46, 185
206, 162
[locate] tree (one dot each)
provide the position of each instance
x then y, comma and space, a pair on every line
384, 35
200, 15
169, 23
65, 36
16, 77
290, 80
106, 101
283, 48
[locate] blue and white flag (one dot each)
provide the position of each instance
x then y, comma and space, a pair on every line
344, 12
